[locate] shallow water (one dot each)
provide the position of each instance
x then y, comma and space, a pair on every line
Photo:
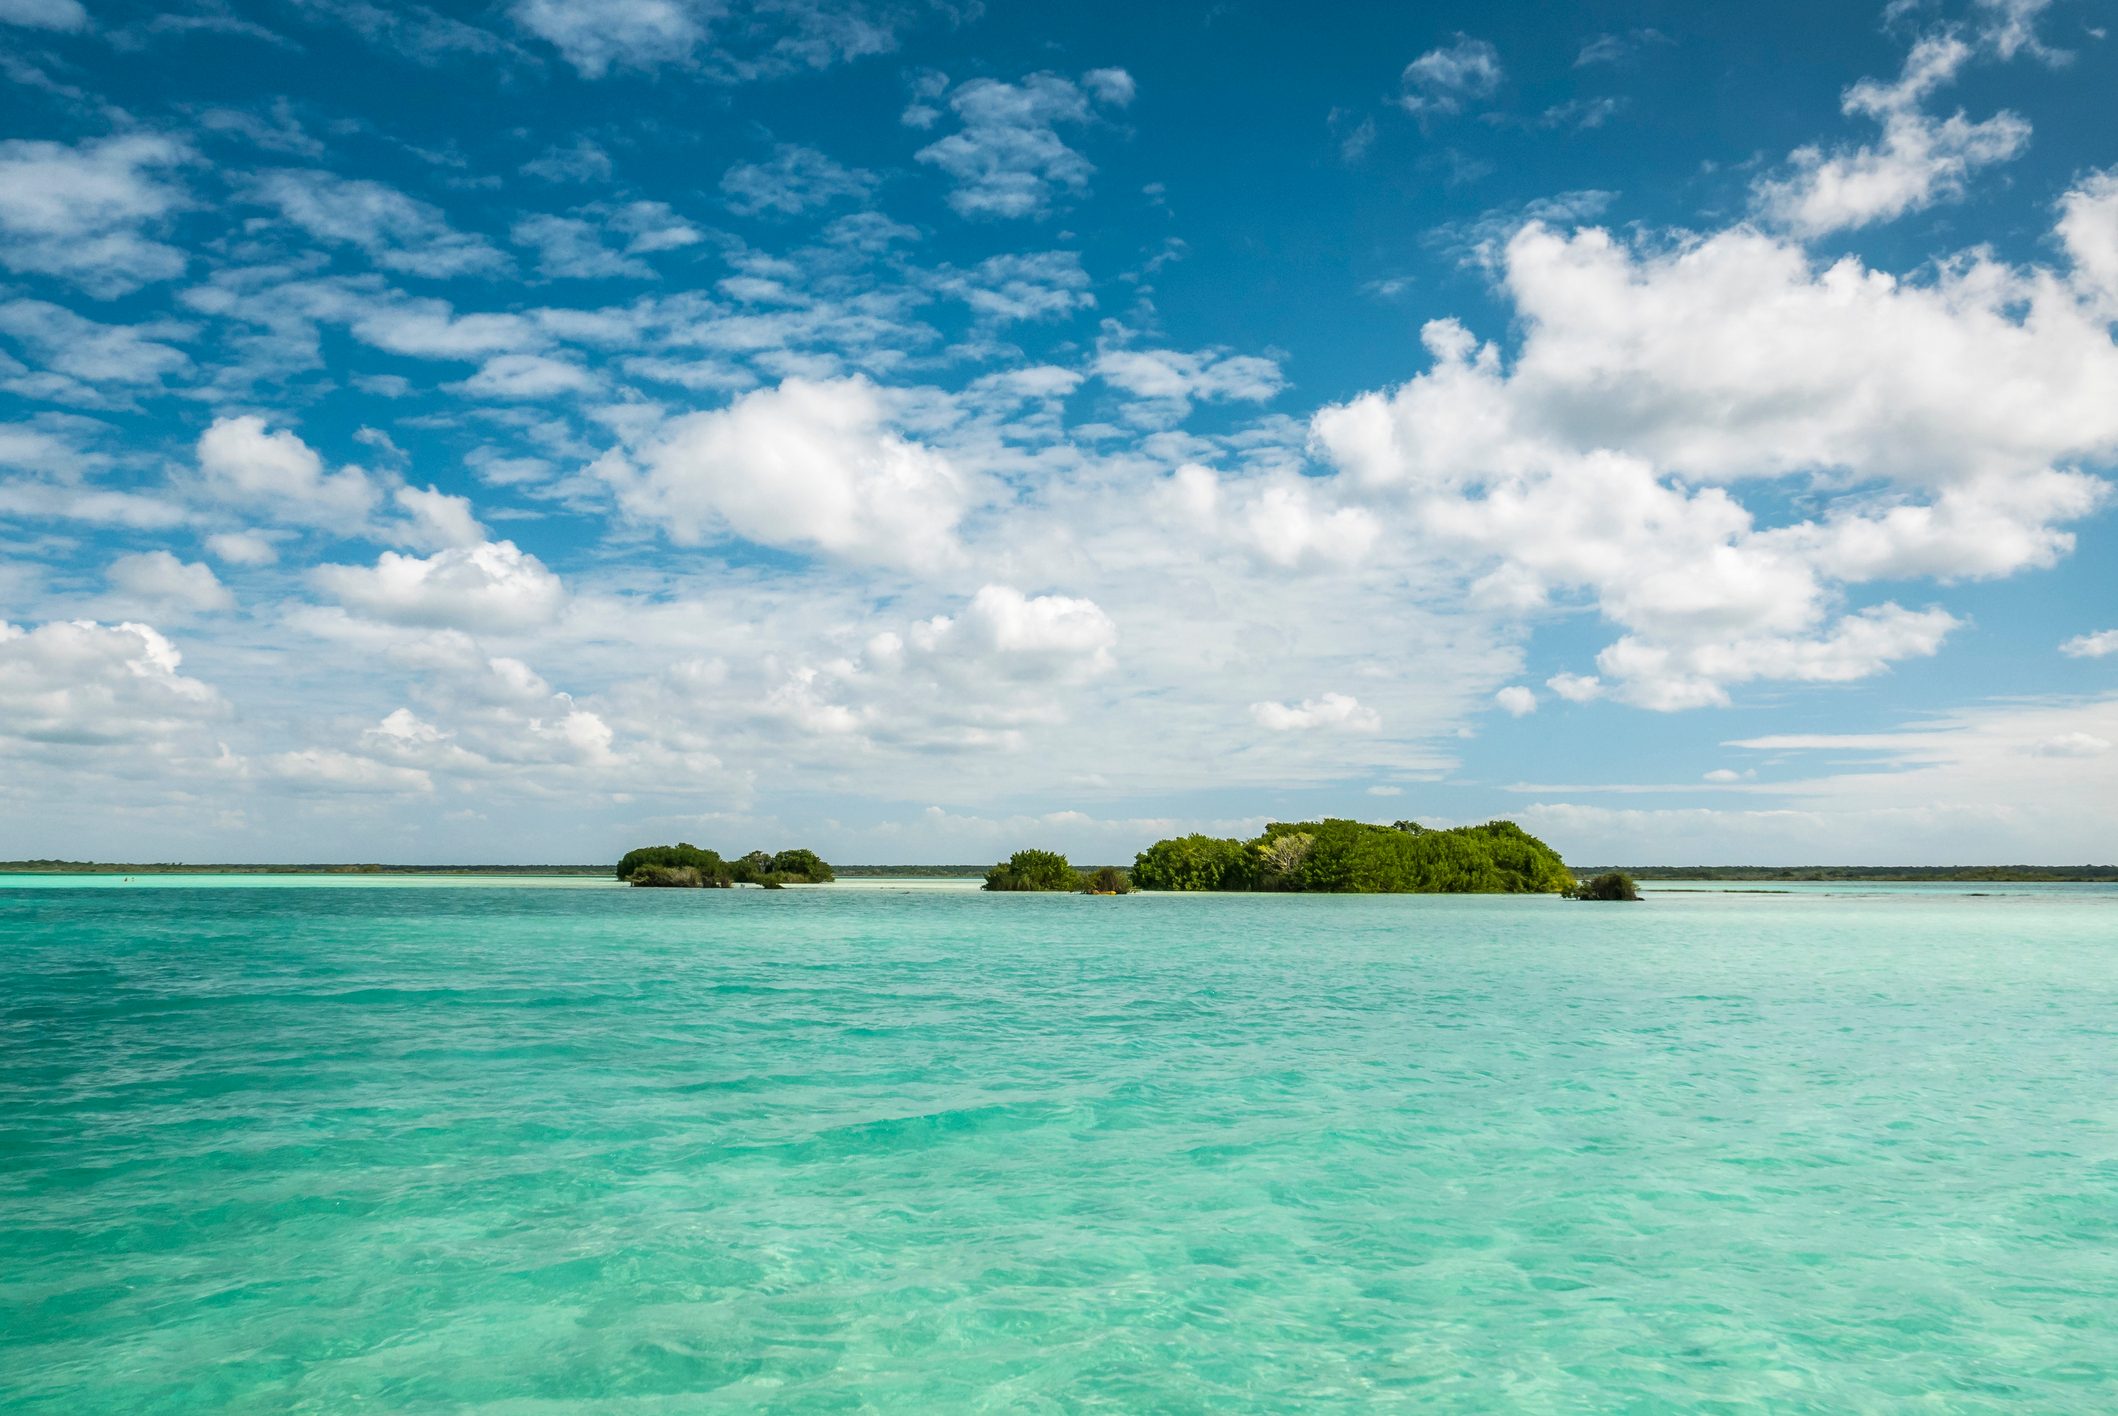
476, 1147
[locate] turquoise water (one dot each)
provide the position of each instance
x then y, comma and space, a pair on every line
511, 1148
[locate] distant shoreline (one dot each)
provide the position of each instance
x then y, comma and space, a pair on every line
1881, 874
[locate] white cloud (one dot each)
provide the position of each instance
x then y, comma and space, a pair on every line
1589, 463
1331, 710
435, 520
1919, 161
797, 179
44, 14
334, 772
1112, 86
528, 376
168, 585
88, 684
1576, 688
1170, 380
1034, 285
280, 476
494, 585
80, 358
1007, 159
2091, 646
1019, 636
808, 464
397, 232
1516, 700
596, 36
242, 548
569, 248
1443, 80
82, 214
1283, 520
2088, 227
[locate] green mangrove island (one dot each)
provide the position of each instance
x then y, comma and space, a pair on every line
687, 867
1336, 856
1332, 856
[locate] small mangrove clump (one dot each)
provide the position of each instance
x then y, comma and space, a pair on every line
1614, 885
1109, 881
685, 866
1034, 870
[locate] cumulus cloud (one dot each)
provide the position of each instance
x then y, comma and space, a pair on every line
276, 474
1651, 383
493, 585
1516, 701
82, 683
435, 520
1338, 711
167, 585
1016, 636
1920, 159
85, 214
1007, 158
1284, 521
397, 232
2091, 646
810, 465
1443, 80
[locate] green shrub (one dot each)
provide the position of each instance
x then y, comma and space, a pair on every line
666, 877
1192, 863
1614, 885
1033, 870
1109, 881
682, 856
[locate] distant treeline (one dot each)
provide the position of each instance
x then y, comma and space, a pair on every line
100, 867
1911, 874
909, 872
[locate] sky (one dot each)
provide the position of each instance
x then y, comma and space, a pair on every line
919, 430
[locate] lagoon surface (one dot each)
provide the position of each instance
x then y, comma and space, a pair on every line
554, 1147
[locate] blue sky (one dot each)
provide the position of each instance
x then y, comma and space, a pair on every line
520, 431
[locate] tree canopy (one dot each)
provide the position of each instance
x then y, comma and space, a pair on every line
686, 864
1033, 870
1337, 856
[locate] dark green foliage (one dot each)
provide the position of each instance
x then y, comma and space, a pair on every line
682, 856
790, 867
1192, 863
1616, 885
1352, 857
1033, 870
1109, 881
802, 867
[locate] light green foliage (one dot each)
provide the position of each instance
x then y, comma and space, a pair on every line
1192, 863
